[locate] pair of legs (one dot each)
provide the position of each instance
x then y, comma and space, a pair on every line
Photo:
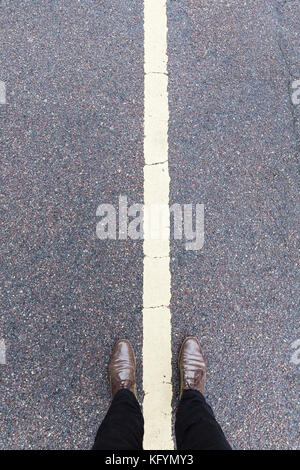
123, 427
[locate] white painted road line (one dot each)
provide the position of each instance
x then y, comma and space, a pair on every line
157, 371
2, 352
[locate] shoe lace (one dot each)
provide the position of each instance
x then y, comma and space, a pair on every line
195, 382
126, 384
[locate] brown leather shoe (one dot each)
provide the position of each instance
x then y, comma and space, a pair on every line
192, 366
121, 368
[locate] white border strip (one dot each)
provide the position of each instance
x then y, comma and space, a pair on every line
2, 92
2, 352
157, 371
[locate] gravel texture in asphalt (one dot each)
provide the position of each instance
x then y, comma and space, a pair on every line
71, 139
233, 147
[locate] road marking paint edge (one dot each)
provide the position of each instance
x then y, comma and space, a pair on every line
157, 355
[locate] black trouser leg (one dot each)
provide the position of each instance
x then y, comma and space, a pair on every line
123, 426
196, 427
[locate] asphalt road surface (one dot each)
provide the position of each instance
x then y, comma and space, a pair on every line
72, 138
